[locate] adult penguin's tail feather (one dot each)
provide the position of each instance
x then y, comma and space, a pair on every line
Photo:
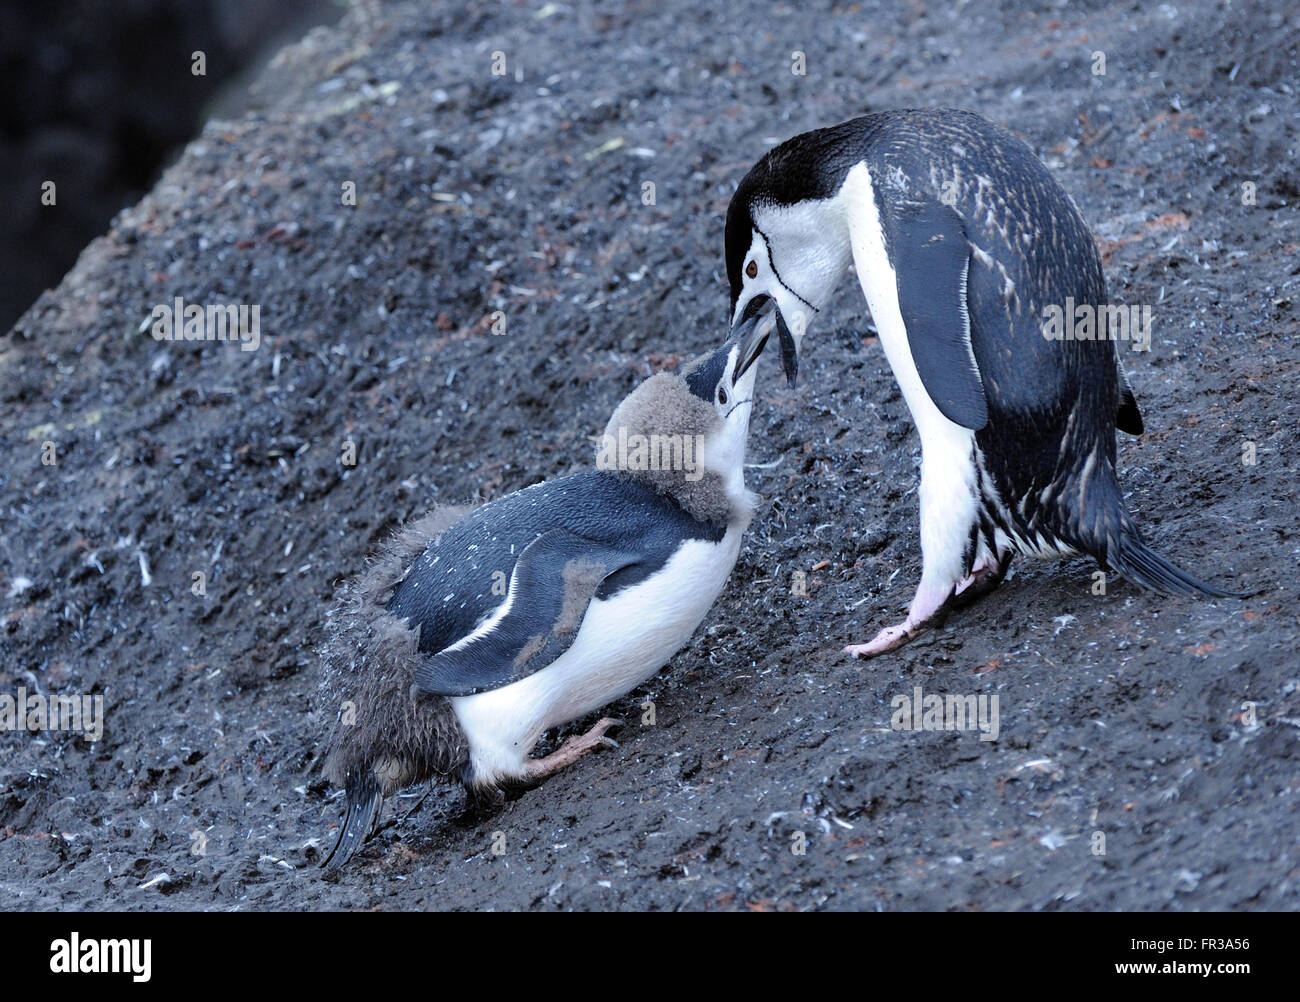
1107, 531
1138, 563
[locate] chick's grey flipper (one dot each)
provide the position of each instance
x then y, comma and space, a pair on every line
552, 584
931, 259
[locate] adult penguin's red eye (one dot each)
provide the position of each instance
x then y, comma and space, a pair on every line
751, 269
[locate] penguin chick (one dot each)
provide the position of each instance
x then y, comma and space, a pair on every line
544, 605
961, 241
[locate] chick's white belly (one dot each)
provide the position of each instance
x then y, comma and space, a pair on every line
622, 641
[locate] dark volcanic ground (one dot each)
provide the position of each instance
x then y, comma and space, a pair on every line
1120, 714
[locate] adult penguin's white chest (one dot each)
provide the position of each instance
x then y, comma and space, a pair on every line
879, 281
949, 494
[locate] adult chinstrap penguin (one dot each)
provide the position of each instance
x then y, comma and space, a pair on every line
961, 241
473, 635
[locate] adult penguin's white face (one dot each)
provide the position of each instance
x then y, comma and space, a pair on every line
791, 262
761, 291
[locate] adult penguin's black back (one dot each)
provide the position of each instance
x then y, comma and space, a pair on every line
1047, 453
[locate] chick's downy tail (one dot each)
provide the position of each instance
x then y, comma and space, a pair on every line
364, 797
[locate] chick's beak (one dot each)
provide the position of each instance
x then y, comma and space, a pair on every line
752, 335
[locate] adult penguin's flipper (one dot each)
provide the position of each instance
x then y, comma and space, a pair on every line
931, 260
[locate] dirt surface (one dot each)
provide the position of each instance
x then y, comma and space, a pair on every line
1120, 714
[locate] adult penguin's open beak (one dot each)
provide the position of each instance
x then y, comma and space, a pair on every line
755, 337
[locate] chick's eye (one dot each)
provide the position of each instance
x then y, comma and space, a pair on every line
722, 395
751, 269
